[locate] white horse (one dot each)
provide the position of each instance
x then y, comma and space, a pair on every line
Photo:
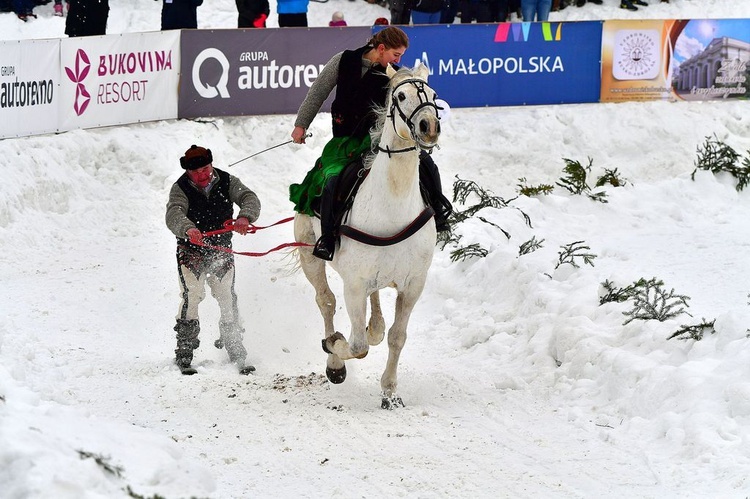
387, 205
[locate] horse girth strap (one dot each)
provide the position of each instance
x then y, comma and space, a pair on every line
406, 233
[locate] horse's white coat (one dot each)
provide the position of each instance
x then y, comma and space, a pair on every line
388, 200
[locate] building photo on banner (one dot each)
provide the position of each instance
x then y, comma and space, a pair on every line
584, 328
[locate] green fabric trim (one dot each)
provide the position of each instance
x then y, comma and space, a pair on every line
337, 153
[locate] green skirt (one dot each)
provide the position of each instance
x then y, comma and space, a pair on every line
338, 152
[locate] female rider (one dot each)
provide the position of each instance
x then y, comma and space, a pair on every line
361, 86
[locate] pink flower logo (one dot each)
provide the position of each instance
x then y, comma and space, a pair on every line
77, 75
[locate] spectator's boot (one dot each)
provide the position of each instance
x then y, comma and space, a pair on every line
627, 4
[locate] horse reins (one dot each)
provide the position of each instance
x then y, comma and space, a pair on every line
252, 229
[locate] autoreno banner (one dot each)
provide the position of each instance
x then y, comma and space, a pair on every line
29, 87
256, 71
110, 80
699, 59
508, 64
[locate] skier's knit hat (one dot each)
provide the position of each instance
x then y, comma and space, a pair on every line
196, 157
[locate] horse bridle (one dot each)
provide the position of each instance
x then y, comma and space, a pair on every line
424, 101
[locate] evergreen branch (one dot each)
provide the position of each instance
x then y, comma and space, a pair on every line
530, 246
531, 191
715, 156
695, 331
619, 295
575, 179
447, 237
132, 493
103, 462
507, 234
611, 177
652, 301
469, 251
572, 251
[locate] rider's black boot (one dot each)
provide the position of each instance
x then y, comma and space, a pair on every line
326, 244
429, 177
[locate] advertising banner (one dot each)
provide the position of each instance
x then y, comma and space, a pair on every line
508, 64
698, 59
256, 71
109, 80
29, 87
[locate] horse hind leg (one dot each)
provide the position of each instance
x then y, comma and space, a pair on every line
376, 324
315, 272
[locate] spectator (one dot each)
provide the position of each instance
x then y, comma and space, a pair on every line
448, 15
427, 11
401, 11
87, 17
24, 9
59, 8
536, 10
252, 13
179, 14
292, 13
337, 19
471, 10
499, 12
381, 21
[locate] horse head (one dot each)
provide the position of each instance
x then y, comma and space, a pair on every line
411, 106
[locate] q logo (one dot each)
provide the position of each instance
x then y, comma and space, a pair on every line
203, 89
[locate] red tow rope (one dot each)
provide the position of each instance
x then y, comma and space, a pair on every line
252, 229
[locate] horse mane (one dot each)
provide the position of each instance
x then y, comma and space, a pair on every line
382, 111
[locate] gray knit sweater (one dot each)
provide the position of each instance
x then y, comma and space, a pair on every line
177, 206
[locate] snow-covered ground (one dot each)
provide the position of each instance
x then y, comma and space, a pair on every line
517, 383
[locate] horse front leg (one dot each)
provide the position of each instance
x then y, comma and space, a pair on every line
357, 346
405, 302
315, 272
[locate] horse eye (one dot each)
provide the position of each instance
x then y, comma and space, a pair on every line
401, 97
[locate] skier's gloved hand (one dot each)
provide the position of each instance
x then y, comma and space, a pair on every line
241, 225
195, 236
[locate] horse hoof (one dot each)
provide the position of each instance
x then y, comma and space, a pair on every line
393, 402
330, 341
336, 376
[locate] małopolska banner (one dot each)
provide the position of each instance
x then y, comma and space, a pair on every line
256, 71
29, 87
111, 80
508, 64
700, 59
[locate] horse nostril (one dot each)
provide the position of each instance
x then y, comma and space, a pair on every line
437, 127
424, 126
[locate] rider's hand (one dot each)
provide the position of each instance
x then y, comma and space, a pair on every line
195, 236
241, 225
298, 135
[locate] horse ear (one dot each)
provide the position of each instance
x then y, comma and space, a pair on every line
390, 71
422, 71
